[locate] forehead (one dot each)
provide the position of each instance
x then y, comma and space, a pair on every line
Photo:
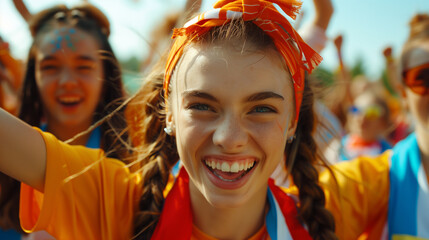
216, 67
419, 54
65, 41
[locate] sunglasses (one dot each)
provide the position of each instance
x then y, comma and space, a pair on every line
371, 112
417, 79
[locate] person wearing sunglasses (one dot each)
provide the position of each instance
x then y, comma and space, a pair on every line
368, 120
387, 197
72, 80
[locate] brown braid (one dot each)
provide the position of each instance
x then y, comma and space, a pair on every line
156, 152
301, 160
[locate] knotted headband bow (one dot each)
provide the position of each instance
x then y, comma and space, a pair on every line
268, 15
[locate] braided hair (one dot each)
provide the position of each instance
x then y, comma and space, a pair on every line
157, 151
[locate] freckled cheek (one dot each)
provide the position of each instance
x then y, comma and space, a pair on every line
269, 134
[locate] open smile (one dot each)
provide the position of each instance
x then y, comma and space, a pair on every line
230, 171
69, 101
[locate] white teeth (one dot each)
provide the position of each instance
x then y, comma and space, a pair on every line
69, 99
225, 167
234, 167
241, 167
213, 164
218, 166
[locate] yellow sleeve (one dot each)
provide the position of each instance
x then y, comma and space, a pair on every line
358, 196
86, 196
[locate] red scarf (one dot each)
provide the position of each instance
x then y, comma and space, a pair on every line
176, 217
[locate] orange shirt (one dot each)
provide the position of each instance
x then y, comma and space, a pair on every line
87, 195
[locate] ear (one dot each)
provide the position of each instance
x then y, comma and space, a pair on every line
290, 133
169, 122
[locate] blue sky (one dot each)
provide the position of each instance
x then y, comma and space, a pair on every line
367, 25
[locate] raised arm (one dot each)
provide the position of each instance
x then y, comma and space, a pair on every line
391, 70
344, 74
22, 9
323, 13
22, 151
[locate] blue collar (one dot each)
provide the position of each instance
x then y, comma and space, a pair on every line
94, 140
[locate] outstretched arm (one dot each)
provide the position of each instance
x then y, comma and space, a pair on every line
323, 10
391, 70
22, 151
22, 9
344, 74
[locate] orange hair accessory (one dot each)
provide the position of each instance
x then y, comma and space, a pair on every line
268, 15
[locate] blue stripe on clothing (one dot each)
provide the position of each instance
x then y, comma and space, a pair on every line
9, 235
275, 221
405, 163
94, 140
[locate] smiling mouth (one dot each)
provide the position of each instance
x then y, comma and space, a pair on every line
229, 171
69, 101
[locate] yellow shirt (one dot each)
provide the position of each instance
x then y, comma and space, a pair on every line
358, 196
87, 195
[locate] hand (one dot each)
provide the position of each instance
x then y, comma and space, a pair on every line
338, 41
387, 52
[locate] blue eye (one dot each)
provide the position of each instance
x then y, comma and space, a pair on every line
200, 107
263, 109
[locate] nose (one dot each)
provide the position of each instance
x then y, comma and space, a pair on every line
67, 78
230, 135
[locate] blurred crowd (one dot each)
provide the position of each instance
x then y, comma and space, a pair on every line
64, 87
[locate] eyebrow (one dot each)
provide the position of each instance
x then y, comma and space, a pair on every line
264, 95
252, 98
87, 58
48, 58
199, 94
81, 57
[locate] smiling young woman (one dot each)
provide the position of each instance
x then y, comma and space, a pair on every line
72, 80
233, 104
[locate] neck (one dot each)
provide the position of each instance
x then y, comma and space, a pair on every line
234, 223
423, 141
64, 133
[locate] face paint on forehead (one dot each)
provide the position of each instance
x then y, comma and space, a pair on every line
65, 37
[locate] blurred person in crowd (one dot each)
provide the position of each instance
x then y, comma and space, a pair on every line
387, 197
368, 122
72, 80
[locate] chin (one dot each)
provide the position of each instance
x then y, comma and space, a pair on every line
225, 201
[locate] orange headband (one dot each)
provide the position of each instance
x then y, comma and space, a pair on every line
268, 15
